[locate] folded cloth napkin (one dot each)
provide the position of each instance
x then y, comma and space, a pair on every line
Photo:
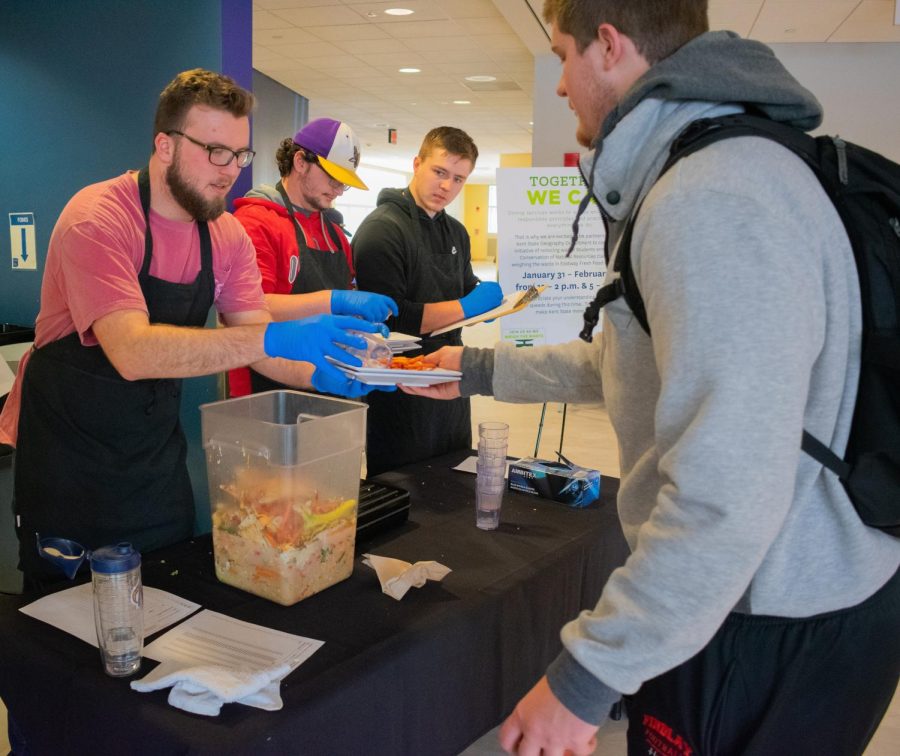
397, 576
203, 689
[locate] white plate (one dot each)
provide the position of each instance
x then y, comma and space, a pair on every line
391, 377
403, 342
403, 338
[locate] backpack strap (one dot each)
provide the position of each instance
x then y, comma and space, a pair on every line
824, 456
695, 136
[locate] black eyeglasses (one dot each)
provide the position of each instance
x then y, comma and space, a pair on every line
218, 155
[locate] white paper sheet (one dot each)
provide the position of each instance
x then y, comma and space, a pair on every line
73, 611
509, 304
210, 638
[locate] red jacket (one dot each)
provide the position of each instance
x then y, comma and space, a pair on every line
269, 227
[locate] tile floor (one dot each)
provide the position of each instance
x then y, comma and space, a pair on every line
588, 441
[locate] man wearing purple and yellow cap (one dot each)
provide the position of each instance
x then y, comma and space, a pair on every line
303, 255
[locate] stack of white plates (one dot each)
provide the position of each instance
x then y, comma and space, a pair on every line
402, 342
379, 376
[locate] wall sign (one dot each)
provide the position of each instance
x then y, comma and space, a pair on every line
535, 210
21, 241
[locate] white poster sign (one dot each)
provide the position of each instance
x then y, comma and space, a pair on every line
535, 210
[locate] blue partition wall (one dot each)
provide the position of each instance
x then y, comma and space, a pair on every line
79, 82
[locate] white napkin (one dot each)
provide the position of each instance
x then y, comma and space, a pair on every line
397, 576
203, 689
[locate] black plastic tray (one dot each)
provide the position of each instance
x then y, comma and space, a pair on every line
380, 507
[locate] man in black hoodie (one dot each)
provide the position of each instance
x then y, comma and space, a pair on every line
411, 250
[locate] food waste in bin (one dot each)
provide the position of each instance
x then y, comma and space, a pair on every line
284, 493
278, 541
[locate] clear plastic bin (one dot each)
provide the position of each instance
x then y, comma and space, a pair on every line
284, 483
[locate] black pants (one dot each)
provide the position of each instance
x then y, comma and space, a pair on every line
773, 686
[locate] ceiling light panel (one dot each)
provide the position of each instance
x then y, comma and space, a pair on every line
422, 10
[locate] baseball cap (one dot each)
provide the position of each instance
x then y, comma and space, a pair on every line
336, 146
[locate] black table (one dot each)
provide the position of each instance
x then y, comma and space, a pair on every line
425, 675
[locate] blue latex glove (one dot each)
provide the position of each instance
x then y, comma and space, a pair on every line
486, 296
311, 339
329, 380
366, 304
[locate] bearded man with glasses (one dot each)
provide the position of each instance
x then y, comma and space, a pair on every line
303, 255
133, 266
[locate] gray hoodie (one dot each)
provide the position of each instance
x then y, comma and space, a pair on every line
753, 301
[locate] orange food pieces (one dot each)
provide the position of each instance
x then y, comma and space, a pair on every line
411, 363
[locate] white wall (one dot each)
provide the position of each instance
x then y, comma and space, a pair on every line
856, 84
553, 133
356, 204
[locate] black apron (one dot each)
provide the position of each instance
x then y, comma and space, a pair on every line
100, 459
401, 428
319, 269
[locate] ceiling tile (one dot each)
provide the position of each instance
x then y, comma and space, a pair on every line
734, 16
368, 46
872, 21
415, 29
347, 62
320, 15
440, 44
265, 20
304, 50
470, 8
479, 26
282, 4
504, 42
800, 20
335, 63
399, 59
283, 35
349, 32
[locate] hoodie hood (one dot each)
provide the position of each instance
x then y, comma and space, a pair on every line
719, 67
399, 197
266, 192
403, 199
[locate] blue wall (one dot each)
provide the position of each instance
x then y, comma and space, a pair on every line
79, 82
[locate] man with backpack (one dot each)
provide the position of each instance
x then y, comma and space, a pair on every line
758, 613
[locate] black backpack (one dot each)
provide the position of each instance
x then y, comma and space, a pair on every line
865, 189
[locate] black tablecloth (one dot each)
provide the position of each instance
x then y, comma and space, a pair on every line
425, 675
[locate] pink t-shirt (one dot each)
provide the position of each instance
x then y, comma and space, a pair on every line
94, 257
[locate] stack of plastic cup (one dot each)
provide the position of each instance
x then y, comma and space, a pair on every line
493, 438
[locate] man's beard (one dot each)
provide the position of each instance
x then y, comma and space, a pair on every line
190, 199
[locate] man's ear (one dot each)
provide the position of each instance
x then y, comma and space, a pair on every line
611, 43
165, 147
